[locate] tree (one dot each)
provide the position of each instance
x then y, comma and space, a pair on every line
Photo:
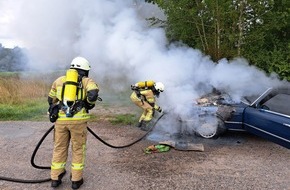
12, 59
255, 29
269, 48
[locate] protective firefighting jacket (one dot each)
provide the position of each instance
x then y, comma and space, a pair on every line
87, 85
144, 95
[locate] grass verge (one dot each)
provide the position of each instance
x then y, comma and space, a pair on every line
33, 110
124, 119
36, 110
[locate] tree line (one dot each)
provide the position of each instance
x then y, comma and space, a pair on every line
12, 60
258, 30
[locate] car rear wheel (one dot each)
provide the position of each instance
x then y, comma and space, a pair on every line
211, 130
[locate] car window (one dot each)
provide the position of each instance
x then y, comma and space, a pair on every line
279, 103
249, 99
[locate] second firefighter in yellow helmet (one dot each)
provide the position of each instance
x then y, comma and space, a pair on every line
144, 96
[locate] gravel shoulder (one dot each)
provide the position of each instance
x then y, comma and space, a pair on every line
234, 161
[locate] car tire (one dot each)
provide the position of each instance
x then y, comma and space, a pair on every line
211, 131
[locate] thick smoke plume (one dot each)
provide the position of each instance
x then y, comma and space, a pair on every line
114, 36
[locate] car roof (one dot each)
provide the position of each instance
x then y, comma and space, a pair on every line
269, 93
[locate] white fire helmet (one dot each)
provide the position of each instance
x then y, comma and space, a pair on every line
159, 86
80, 63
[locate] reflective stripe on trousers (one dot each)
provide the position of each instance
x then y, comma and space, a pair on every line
58, 165
80, 166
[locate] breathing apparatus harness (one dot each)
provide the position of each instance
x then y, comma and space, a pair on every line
71, 100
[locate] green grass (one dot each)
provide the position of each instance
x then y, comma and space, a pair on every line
32, 110
36, 110
8, 74
124, 119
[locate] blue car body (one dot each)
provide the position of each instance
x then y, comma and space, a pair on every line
268, 116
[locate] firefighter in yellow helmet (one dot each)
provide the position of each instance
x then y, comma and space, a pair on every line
70, 99
144, 95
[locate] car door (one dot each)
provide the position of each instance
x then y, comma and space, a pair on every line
269, 118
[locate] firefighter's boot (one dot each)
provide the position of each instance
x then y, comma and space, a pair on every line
145, 126
56, 183
139, 125
77, 184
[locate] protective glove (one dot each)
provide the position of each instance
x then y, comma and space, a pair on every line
88, 106
49, 110
50, 103
53, 112
159, 109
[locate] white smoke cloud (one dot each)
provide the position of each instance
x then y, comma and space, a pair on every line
114, 36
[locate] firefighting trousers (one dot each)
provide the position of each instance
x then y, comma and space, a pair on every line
148, 111
63, 135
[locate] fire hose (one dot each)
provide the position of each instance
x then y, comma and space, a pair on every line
47, 167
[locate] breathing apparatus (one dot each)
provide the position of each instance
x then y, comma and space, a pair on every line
156, 87
145, 84
79, 68
70, 90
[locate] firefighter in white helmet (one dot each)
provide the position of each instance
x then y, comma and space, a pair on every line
144, 95
70, 99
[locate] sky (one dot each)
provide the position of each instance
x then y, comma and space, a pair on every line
114, 36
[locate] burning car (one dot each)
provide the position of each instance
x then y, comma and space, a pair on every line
267, 116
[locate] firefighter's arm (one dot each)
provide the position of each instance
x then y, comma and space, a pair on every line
92, 95
51, 99
91, 99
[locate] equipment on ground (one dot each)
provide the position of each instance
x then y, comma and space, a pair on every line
157, 148
184, 145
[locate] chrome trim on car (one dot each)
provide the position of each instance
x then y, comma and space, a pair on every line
246, 103
254, 102
267, 133
242, 130
276, 113
233, 122
286, 124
